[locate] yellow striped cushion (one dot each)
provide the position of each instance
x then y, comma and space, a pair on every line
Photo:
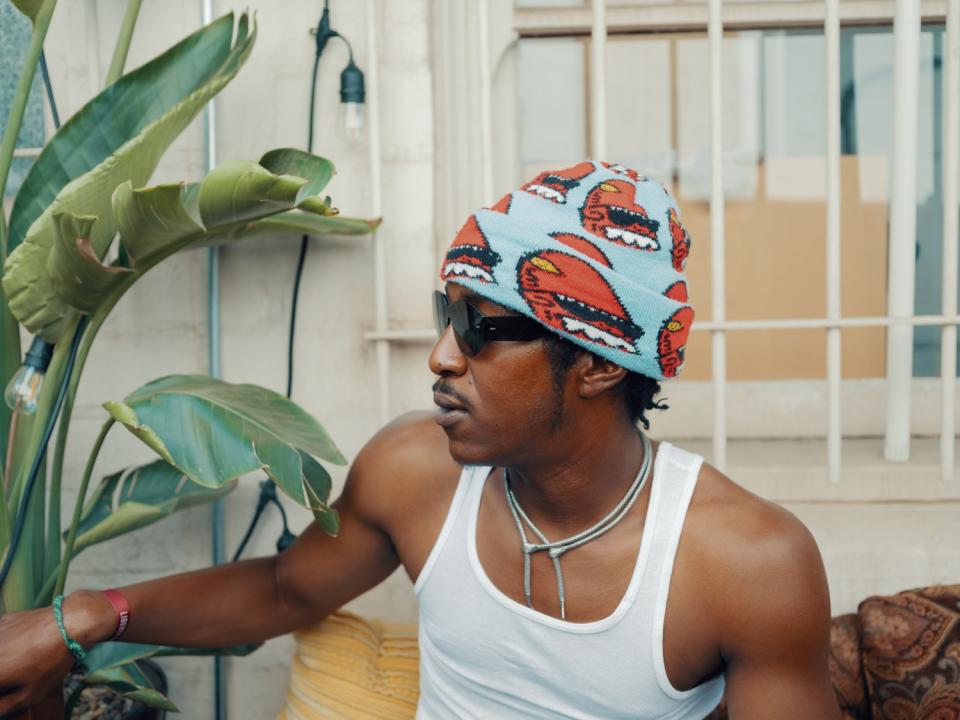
351, 667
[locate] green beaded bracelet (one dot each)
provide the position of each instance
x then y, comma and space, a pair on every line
76, 648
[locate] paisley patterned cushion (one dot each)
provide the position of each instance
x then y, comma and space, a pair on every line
910, 644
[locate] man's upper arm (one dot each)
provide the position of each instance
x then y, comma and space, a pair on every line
319, 573
775, 627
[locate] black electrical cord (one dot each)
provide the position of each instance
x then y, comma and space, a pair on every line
268, 491
20, 522
49, 87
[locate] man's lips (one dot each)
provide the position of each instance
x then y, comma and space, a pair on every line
445, 402
451, 411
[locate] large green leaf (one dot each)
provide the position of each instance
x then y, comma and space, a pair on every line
149, 105
214, 432
59, 272
30, 8
134, 498
127, 153
115, 666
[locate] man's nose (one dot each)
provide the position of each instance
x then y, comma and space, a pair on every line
446, 356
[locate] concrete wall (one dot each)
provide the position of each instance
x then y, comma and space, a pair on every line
161, 327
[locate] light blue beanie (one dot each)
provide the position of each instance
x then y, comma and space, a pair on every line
596, 253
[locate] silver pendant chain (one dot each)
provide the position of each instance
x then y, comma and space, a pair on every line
559, 547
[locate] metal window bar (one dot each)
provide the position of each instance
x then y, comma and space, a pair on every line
903, 226
718, 338
379, 252
951, 178
831, 31
598, 81
424, 335
486, 88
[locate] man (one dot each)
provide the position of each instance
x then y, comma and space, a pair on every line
565, 565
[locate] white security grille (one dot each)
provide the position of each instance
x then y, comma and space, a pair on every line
715, 17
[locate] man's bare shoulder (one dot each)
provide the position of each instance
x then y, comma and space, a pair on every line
404, 462
767, 583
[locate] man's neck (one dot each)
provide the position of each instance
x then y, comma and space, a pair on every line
577, 483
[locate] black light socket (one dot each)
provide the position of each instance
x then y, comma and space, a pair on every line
351, 84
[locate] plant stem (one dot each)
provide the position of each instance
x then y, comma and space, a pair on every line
52, 548
123, 41
8, 463
78, 508
19, 106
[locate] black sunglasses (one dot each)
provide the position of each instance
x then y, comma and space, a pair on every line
473, 329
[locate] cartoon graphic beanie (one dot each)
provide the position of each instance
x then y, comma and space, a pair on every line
595, 252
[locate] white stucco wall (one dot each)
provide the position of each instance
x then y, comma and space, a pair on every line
161, 326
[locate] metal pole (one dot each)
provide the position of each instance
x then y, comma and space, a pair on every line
831, 29
951, 170
379, 252
717, 241
903, 226
598, 81
213, 349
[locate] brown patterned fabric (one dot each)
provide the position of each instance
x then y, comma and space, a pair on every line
846, 669
911, 654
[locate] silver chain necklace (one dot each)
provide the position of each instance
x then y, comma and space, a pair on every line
559, 547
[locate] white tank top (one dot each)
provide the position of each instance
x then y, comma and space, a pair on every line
483, 655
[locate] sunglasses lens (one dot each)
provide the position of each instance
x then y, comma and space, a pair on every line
457, 314
441, 317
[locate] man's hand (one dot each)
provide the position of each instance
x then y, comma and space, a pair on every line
34, 659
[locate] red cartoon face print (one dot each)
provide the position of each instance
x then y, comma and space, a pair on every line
470, 255
623, 170
582, 245
680, 242
554, 185
568, 294
503, 204
611, 213
672, 341
677, 291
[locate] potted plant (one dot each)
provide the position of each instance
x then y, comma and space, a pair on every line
60, 283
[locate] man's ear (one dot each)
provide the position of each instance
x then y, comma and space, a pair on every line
597, 375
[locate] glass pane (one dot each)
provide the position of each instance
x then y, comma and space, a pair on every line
552, 115
14, 39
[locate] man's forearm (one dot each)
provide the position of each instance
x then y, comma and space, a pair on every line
230, 604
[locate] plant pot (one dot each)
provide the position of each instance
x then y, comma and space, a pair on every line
100, 703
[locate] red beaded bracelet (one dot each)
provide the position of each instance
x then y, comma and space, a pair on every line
122, 608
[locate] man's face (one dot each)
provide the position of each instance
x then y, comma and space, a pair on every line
496, 405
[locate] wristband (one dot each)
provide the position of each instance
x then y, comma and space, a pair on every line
122, 608
72, 645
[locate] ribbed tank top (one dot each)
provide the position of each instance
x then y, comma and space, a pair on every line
483, 655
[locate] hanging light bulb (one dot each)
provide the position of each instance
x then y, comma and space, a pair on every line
352, 96
24, 388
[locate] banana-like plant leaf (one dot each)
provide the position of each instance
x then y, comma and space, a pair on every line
116, 654
168, 93
60, 271
214, 432
114, 664
150, 105
30, 8
301, 222
137, 497
129, 681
